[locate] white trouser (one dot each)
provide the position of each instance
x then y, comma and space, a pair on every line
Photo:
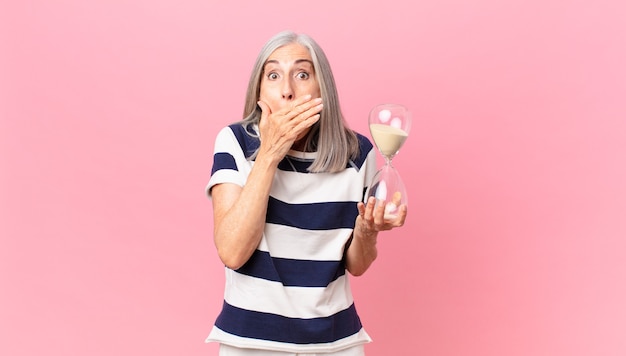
226, 350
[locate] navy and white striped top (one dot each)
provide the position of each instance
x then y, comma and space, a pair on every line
293, 294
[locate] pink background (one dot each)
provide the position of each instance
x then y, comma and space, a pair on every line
516, 239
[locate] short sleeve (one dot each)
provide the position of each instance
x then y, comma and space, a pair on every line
370, 168
229, 162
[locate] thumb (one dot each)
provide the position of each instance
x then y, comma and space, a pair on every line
265, 112
265, 109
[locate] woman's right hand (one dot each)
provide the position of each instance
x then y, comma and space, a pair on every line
279, 130
239, 212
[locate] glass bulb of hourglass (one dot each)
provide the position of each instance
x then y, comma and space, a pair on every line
389, 126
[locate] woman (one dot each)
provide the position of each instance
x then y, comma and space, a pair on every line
287, 186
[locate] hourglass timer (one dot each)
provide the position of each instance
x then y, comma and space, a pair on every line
389, 125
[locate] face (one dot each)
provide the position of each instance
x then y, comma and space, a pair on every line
288, 74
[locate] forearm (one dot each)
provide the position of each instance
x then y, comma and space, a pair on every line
239, 228
362, 250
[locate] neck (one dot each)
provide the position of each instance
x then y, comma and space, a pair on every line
299, 145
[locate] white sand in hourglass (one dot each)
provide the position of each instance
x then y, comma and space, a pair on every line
388, 139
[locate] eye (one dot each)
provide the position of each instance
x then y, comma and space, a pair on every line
302, 75
272, 76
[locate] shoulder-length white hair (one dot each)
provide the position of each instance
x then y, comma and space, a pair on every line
334, 142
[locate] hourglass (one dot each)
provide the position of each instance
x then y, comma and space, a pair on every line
389, 126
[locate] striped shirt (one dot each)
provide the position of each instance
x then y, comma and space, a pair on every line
293, 294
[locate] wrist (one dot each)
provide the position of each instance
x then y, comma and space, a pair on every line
266, 161
364, 233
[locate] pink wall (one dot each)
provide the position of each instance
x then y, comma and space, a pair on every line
516, 238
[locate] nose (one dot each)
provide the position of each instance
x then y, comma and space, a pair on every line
287, 90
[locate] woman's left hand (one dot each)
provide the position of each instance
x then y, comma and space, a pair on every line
372, 218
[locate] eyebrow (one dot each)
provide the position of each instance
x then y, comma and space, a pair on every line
297, 61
